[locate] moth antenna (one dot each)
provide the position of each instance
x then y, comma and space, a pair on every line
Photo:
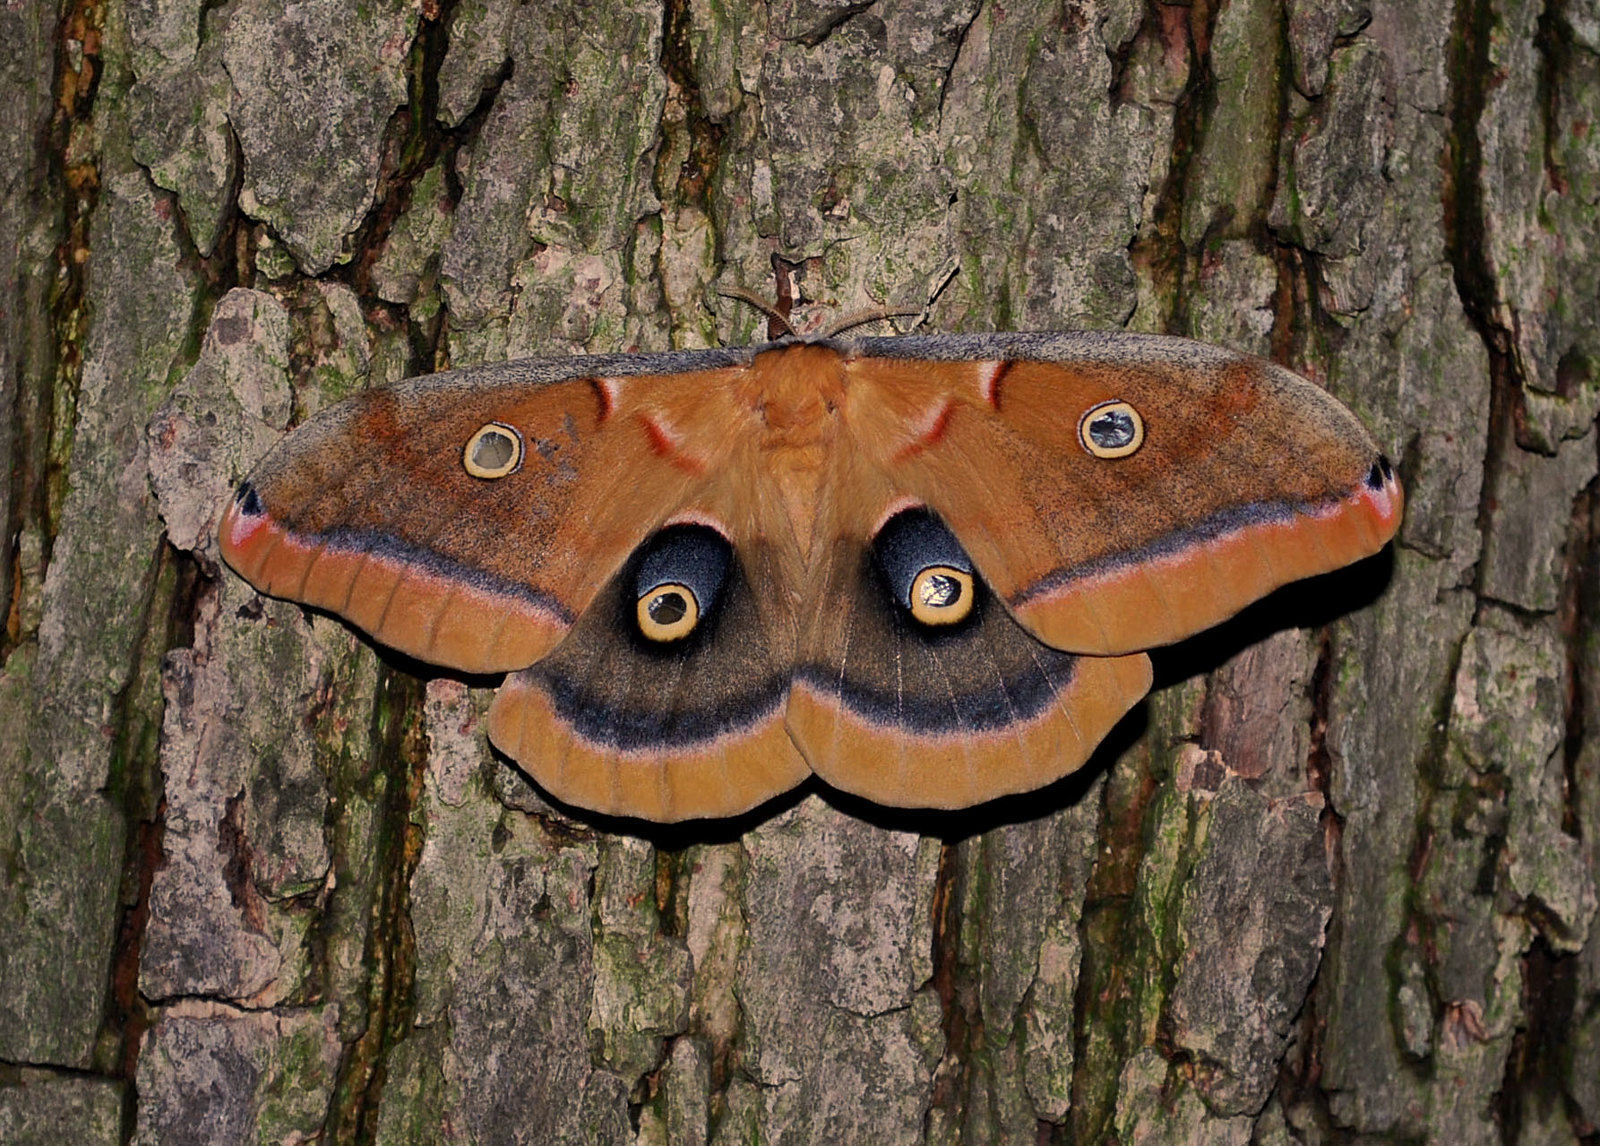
777, 324
875, 314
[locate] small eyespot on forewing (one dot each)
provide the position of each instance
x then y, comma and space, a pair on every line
1111, 430
493, 451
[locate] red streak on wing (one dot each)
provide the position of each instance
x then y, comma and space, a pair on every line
662, 442
605, 396
992, 374
936, 427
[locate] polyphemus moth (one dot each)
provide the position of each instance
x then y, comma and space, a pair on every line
925, 568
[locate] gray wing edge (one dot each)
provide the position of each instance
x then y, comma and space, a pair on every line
1114, 347
548, 371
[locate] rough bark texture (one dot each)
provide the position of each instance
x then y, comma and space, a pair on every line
1335, 881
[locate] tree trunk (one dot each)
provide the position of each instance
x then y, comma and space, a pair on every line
260, 881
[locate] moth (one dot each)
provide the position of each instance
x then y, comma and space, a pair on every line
925, 568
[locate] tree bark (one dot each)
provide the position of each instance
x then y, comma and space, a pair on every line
262, 881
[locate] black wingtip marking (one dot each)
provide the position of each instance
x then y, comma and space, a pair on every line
1380, 473
249, 500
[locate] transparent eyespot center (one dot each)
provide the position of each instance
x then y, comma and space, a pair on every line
1111, 430
941, 595
493, 452
668, 612
668, 608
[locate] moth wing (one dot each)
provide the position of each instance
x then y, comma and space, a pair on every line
942, 715
1245, 477
371, 510
612, 721
676, 714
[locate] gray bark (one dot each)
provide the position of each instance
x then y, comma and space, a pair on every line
259, 881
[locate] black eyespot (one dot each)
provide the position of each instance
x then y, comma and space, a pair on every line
1111, 430
249, 500
1380, 472
929, 573
680, 574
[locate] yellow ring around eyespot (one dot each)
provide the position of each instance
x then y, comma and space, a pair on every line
941, 595
1112, 409
668, 612
493, 452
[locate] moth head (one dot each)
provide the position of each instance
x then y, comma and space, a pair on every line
1111, 430
928, 572
493, 451
680, 574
